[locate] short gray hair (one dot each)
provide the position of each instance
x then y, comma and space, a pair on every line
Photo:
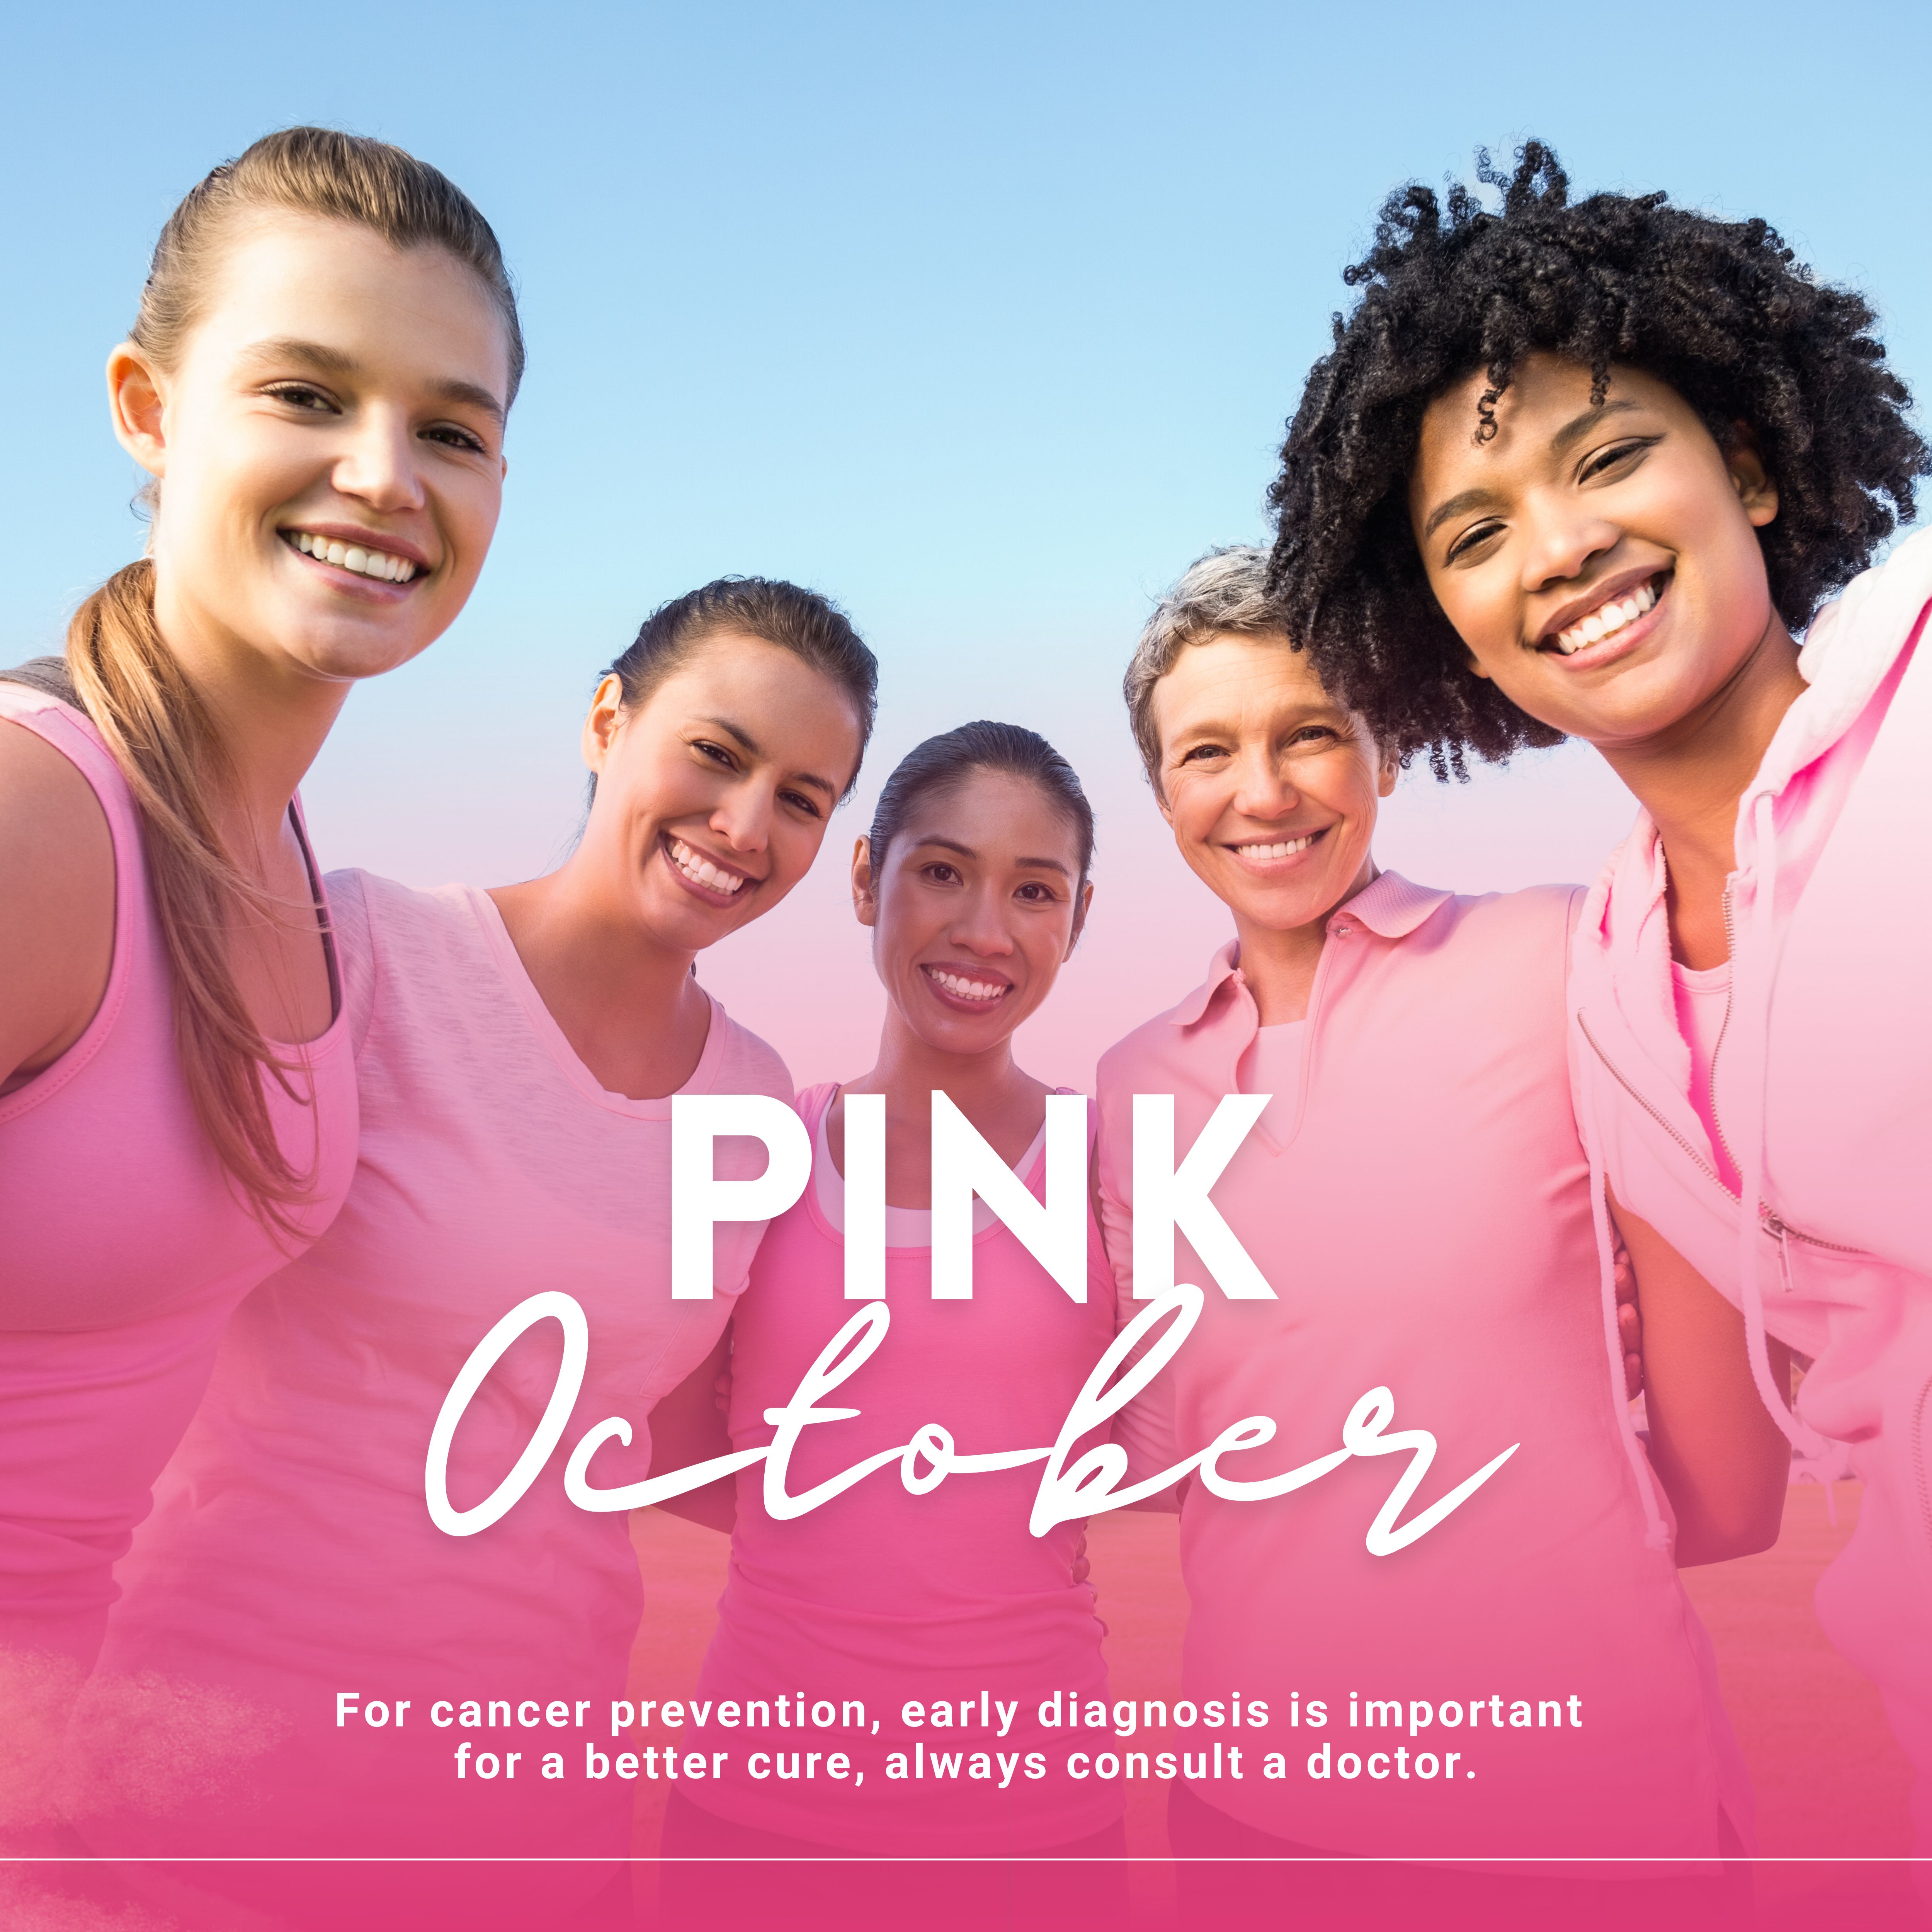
1223, 594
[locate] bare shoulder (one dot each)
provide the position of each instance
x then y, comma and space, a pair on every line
56, 902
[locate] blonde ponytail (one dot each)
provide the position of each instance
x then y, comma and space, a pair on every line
165, 742
160, 731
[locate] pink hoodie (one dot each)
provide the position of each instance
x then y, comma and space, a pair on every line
1821, 1089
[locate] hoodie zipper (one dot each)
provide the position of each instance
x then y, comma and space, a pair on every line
1773, 1224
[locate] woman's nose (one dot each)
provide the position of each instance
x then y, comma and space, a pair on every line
1564, 537
743, 818
1263, 788
380, 466
982, 925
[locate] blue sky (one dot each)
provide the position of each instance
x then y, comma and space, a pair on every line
984, 319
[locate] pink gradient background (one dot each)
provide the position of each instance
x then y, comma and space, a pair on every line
984, 321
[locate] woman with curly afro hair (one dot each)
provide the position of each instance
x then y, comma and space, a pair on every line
1583, 469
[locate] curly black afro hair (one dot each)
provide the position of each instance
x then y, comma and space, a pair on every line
1719, 309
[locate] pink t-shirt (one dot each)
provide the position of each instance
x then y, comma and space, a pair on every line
1274, 1068
880, 1597
1703, 1004
292, 1555
1421, 1209
124, 1244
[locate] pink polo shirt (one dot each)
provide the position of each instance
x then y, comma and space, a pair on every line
1420, 1204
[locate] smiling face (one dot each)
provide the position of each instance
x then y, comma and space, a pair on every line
328, 448
713, 793
976, 907
1271, 786
1600, 562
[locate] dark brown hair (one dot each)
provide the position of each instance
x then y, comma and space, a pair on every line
942, 762
811, 627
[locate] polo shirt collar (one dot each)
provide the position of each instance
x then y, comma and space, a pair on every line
1390, 907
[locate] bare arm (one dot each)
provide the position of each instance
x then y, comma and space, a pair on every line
1724, 1462
1144, 1428
688, 1426
56, 904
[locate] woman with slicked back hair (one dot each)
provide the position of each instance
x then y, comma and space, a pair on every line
317, 383
974, 883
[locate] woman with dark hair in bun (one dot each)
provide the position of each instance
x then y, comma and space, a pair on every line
974, 883
516, 1051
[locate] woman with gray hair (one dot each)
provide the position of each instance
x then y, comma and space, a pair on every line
1419, 1219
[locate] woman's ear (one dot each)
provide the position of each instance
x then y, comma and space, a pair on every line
138, 407
865, 901
1387, 773
1080, 912
600, 727
1756, 490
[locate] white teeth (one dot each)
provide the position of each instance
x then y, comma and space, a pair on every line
365, 562
1609, 618
964, 989
696, 867
1282, 849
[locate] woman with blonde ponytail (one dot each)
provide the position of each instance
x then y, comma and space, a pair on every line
316, 385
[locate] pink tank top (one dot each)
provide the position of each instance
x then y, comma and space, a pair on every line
123, 1246
1703, 1004
879, 1597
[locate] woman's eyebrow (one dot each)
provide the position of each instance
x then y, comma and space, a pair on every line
293, 349
750, 744
1476, 500
1192, 731
1580, 426
454, 389
1466, 499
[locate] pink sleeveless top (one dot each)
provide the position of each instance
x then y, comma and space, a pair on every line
123, 1246
880, 1597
